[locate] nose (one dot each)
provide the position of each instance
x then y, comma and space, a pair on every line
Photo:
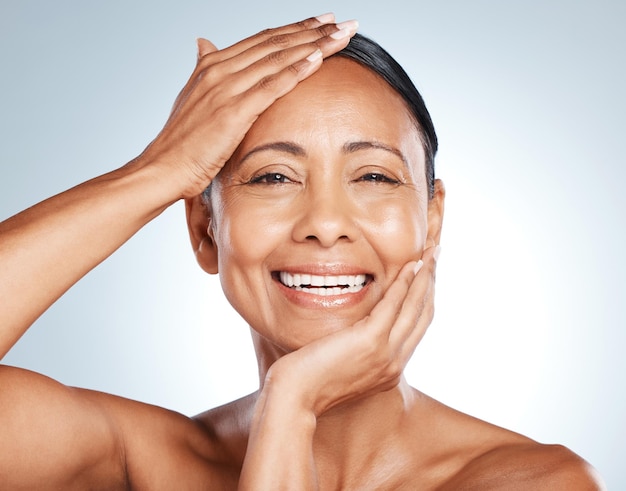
327, 217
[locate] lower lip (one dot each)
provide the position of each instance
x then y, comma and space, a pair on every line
313, 301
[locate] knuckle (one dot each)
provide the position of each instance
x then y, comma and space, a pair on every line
394, 369
280, 41
276, 57
391, 383
265, 33
267, 83
294, 70
208, 76
326, 30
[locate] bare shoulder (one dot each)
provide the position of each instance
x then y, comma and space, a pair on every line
477, 455
229, 426
55, 436
164, 449
525, 466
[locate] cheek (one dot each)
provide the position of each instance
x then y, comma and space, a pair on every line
246, 237
397, 229
248, 233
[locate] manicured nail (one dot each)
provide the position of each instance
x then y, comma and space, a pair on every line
347, 28
313, 57
436, 252
418, 266
326, 18
341, 34
351, 25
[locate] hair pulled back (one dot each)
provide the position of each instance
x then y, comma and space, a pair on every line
371, 55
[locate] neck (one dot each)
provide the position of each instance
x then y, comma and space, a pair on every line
392, 403
369, 418
352, 435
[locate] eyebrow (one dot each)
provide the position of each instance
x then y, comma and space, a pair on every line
285, 147
369, 145
350, 147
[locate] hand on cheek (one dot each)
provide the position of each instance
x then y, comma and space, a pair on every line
369, 356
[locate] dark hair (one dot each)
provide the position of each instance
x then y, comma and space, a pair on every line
371, 55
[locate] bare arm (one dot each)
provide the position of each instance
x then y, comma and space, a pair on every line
49, 247
52, 434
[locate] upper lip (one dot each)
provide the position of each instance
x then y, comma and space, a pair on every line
325, 269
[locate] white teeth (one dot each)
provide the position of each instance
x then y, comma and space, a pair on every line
334, 285
317, 280
331, 281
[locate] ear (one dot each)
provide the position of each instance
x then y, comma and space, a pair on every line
201, 234
435, 214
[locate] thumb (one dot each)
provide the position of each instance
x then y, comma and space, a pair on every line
205, 47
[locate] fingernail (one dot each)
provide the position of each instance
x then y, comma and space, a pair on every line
313, 57
341, 34
418, 266
326, 18
351, 25
346, 29
436, 252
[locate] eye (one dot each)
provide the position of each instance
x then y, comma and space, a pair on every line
270, 178
378, 177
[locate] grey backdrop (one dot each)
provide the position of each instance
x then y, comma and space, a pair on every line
527, 98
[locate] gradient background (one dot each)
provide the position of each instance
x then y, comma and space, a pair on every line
527, 98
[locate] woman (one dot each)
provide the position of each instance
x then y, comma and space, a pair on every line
309, 188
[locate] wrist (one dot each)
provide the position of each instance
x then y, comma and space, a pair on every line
181, 180
284, 399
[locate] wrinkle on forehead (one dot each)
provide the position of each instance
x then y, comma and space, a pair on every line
343, 107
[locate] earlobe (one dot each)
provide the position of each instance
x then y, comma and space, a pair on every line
435, 214
206, 255
200, 234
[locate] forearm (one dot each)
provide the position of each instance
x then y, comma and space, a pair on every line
280, 446
47, 248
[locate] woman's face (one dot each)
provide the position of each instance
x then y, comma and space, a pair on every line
321, 205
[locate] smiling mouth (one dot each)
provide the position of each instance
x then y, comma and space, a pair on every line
323, 285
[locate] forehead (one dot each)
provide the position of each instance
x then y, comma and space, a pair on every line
342, 102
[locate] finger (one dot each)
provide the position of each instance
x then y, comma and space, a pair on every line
303, 25
296, 63
417, 309
289, 66
240, 110
330, 38
205, 47
386, 311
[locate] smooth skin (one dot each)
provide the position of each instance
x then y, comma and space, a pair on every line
323, 194
58, 437
316, 421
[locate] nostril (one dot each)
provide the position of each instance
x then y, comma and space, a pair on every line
314, 237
